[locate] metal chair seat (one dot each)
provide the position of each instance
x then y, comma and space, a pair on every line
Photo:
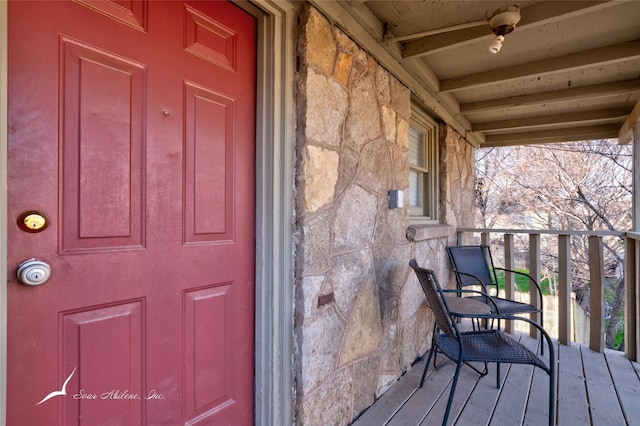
489, 346
508, 307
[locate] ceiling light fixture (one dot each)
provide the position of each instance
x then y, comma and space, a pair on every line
502, 22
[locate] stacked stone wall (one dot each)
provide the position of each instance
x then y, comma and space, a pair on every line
360, 316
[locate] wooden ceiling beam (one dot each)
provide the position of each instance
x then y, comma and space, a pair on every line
532, 16
554, 96
604, 131
631, 124
607, 54
612, 115
440, 42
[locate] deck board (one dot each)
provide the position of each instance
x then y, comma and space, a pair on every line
385, 406
424, 398
593, 388
513, 398
627, 384
536, 412
572, 391
466, 384
537, 407
603, 400
482, 401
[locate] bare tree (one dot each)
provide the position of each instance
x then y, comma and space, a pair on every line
572, 186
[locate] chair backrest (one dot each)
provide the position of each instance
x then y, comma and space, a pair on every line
472, 260
435, 299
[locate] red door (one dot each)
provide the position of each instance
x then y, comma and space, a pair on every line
131, 131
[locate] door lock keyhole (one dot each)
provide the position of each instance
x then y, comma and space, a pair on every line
33, 272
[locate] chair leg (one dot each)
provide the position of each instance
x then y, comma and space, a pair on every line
498, 375
482, 373
452, 392
426, 367
435, 353
541, 338
552, 391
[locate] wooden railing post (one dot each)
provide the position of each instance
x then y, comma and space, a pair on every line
632, 299
485, 239
564, 289
596, 294
534, 271
509, 276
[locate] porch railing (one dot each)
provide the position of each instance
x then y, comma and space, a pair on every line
631, 280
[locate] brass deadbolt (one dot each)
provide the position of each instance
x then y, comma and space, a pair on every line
33, 221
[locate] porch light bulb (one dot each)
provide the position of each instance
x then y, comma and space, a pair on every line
496, 44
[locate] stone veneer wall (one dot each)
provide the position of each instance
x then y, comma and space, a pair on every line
457, 179
360, 319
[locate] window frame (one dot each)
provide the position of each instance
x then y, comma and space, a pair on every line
428, 212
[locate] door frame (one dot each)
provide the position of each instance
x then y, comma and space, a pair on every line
3, 209
275, 156
275, 141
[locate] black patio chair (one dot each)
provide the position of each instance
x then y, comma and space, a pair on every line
486, 345
460, 305
473, 266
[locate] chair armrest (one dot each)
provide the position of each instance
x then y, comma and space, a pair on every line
531, 279
489, 300
475, 277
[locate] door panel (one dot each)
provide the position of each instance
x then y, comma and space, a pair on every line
132, 128
209, 381
102, 149
97, 337
209, 169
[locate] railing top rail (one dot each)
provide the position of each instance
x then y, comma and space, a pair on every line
633, 235
550, 232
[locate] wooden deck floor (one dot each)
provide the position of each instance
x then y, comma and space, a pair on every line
592, 389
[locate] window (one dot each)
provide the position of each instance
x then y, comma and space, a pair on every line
423, 168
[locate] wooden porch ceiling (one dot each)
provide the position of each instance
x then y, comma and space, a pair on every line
569, 71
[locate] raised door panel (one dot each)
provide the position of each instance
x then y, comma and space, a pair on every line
208, 351
102, 113
209, 165
105, 345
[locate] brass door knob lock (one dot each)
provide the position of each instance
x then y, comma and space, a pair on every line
33, 221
